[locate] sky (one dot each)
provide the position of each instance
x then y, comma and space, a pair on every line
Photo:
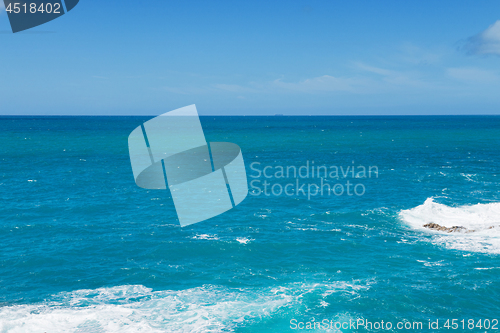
256, 58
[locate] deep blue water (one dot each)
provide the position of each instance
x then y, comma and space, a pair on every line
83, 249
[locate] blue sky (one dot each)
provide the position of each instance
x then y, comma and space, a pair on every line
256, 58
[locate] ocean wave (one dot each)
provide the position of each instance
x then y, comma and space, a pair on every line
244, 240
140, 309
206, 236
136, 308
480, 224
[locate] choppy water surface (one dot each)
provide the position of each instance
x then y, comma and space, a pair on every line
83, 249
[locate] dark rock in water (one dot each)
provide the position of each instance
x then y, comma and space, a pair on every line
457, 228
435, 226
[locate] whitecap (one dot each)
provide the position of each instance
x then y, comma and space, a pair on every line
136, 308
481, 223
206, 236
140, 309
243, 240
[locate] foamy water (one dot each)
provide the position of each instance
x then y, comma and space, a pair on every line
482, 223
140, 309
136, 308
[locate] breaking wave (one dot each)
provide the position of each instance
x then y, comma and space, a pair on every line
480, 222
136, 308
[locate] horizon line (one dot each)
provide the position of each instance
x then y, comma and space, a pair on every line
257, 115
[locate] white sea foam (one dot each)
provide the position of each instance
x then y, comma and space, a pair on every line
139, 309
482, 223
244, 240
206, 236
136, 308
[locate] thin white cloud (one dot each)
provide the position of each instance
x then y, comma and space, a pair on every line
234, 88
188, 90
325, 83
390, 79
486, 42
210, 89
174, 90
472, 75
413, 54
375, 70
423, 73
368, 80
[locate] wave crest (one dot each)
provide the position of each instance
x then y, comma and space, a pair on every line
136, 308
140, 309
480, 222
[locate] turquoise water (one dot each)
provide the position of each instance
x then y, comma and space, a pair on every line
83, 249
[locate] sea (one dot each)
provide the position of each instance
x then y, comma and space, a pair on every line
330, 237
